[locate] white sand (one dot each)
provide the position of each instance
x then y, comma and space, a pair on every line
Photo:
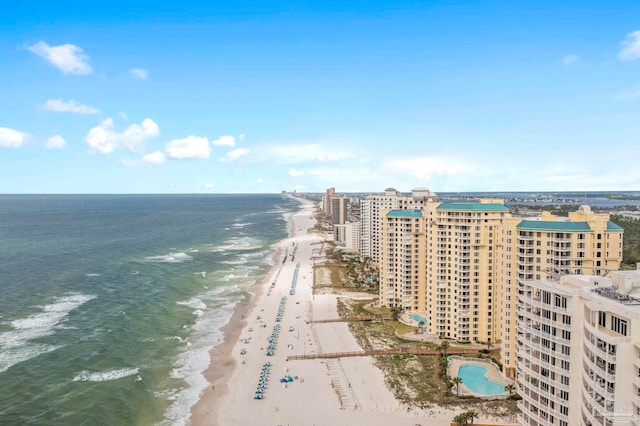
348, 391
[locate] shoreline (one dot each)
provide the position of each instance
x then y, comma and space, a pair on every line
222, 362
256, 383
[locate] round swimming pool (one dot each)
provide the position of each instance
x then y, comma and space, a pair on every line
474, 377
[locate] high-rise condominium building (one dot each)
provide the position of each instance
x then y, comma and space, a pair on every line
370, 215
460, 264
339, 210
327, 201
550, 246
443, 261
578, 355
348, 237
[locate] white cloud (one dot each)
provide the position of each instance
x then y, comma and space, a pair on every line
306, 152
155, 158
294, 172
259, 181
570, 59
104, 140
629, 94
139, 73
11, 138
630, 47
191, 147
225, 141
56, 142
58, 105
68, 58
426, 167
235, 154
208, 185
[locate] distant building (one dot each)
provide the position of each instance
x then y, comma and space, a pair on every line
373, 205
348, 236
339, 210
327, 202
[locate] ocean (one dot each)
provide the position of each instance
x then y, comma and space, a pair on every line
109, 304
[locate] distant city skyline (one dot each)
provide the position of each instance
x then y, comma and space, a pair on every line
190, 97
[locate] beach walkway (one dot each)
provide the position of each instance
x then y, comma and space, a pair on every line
409, 351
349, 319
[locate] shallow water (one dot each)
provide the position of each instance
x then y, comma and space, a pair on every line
110, 304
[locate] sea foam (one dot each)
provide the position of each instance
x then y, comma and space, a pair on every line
194, 358
17, 345
170, 258
105, 376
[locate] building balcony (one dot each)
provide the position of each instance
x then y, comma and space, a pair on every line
599, 369
525, 270
600, 351
561, 240
605, 334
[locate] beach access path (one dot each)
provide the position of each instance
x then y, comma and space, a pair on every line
343, 391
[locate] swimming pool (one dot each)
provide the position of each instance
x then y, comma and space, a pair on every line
473, 377
418, 318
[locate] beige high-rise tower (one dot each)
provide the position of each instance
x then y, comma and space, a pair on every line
443, 261
548, 247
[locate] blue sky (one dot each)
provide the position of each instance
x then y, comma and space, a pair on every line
247, 96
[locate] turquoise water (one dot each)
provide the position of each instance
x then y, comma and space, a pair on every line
473, 377
110, 304
418, 318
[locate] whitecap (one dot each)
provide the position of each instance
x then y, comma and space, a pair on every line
193, 303
169, 258
105, 376
239, 243
92, 275
16, 355
42, 323
241, 225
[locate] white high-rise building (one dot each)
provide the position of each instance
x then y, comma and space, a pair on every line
578, 356
370, 215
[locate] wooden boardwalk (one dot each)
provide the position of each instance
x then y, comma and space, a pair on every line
407, 351
351, 319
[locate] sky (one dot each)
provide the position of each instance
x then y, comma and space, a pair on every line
259, 97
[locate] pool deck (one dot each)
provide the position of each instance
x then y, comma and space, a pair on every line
493, 373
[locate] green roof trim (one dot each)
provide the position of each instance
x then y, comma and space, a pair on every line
472, 207
613, 227
553, 226
404, 213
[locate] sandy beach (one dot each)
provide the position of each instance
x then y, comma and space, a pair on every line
347, 391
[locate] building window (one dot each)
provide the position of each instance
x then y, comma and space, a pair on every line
619, 325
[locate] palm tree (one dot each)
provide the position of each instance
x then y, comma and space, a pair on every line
460, 419
396, 309
456, 381
471, 415
444, 346
511, 389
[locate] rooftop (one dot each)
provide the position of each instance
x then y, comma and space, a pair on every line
404, 213
553, 226
480, 207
